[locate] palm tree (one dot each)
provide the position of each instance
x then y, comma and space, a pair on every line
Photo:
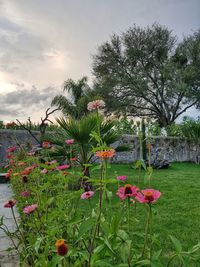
75, 105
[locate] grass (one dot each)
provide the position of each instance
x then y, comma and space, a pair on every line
177, 211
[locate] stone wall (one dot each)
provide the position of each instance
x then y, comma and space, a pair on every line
169, 148
164, 148
13, 137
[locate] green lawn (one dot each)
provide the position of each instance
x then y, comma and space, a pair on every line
177, 212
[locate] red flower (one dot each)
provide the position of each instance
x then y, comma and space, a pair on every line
127, 191
11, 149
10, 204
61, 247
63, 167
148, 196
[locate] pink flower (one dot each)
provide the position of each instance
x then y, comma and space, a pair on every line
51, 162
121, 177
11, 149
127, 191
97, 104
69, 141
44, 171
31, 153
30, 209
25, 194
87, 195
10, 204
148, 196
63, 167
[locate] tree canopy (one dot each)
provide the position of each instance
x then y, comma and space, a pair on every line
147, 72
75, 103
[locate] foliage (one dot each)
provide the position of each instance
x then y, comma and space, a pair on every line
139, 76
110, 235
75, 104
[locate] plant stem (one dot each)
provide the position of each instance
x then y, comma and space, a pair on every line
146, 231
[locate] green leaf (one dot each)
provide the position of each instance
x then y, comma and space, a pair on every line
85, 227
37, 244
143, 263
176, 243
109, 245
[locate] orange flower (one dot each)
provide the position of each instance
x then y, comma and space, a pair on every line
105, 154
61, 247
21, 163
46, 144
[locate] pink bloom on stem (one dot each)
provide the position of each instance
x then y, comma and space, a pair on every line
44, 171
87, 195
69, 141
148, 196
10, 204
30, 209
31, 153
97, 104
121, 177
63, 167
25, 194
127, 191
11, 149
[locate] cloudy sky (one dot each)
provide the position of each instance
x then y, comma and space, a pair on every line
44, 42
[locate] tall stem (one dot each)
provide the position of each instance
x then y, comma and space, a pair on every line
146, 231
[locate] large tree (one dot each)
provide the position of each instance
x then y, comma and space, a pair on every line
146, 72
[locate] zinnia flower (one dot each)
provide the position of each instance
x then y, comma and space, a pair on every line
148, 196
127, 191
121, 177
30, 209
21, 163
61, 247
44, 171
25, 194
10, 204
27, 170
105, 154
11, 149
97, 104
87, 195
69, 141
51, 162
63, 167
46, 144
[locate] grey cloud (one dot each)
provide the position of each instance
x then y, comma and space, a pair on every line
23, 102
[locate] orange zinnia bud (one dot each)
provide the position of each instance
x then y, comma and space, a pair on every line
61, 247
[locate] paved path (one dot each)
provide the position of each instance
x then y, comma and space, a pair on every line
7, 259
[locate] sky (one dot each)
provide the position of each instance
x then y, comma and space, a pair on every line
45, 42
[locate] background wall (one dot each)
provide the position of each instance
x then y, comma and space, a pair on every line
169, 148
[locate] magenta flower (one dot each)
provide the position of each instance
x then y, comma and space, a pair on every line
11, 149
127, 191
121, 177
148, 196
25, 194
63, 167
44, 171
10, 204
97, 104
30, 209
87, 195
69, 141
